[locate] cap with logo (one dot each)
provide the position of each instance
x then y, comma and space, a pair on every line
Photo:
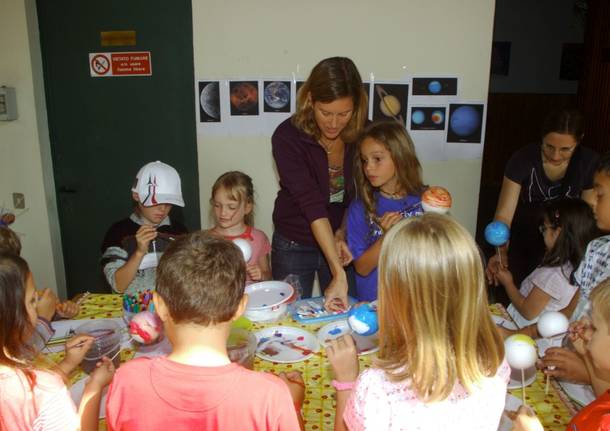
158, 183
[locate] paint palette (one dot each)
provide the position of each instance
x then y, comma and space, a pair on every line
285, 344
268, 294
364, 345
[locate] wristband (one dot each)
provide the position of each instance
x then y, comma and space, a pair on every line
343, 386
298, 407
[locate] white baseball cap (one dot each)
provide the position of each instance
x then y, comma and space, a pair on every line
158, 183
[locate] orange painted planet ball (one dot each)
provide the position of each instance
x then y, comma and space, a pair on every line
436, 199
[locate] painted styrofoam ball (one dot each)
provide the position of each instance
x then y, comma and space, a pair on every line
145, 327
436, 199
497, 233
245, 247
551, 323
520, 351
363, 319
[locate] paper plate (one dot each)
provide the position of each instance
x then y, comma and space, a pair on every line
364, 345
501, 321
268, 294
285, 344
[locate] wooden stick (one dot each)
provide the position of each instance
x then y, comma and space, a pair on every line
499, 255
523, 386
546, 387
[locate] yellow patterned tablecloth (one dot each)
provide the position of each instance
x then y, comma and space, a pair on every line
553, 409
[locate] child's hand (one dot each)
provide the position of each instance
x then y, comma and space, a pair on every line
568, 365
144, 236
503, 276
47, 303
102, 375
67, 310
343, 358
254, 272
580, 334
525, 419
389, 219
76, 348
296, 385
493, 266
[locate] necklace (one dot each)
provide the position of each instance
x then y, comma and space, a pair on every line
327, 147
394, 195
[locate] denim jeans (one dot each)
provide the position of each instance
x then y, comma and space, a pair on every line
304, 261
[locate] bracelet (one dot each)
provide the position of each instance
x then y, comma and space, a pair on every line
298, 407
343, 386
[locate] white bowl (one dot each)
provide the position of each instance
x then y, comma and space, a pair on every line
266, 315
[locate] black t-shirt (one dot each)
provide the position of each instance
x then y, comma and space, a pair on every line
525, 168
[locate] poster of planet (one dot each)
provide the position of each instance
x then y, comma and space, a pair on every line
434, 86
428, 117
465, 122
276, 96
390, 102
209, 102
243, 97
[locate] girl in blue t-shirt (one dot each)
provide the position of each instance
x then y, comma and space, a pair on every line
389, 186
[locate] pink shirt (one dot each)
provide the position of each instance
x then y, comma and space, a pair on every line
47, 408
157, 393
379, 404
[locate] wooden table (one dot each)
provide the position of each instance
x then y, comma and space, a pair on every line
554, 409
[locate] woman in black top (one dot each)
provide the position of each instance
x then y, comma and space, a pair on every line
554, 168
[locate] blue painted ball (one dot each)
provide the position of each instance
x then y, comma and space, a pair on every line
417, 117
363, 319
465, 120
434, 87
497, 233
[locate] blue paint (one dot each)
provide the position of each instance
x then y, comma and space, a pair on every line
335, 331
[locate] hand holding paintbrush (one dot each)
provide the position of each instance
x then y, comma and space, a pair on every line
75, 350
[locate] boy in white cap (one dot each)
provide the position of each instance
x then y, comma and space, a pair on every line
132, 247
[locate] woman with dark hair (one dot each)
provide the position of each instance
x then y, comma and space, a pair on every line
313, 153
556, 167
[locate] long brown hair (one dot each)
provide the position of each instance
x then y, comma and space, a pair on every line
397, 141
435, 326
15, 325
331, 79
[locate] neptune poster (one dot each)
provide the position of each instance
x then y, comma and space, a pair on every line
465, 123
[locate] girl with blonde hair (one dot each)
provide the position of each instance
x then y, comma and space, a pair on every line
440, 362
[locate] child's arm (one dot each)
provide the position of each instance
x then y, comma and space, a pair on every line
529, 306
89, 409
126, 273
343, 358
368, 261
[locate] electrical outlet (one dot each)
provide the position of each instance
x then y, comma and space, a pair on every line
18, 201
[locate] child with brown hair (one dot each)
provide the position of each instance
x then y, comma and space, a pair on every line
200, 292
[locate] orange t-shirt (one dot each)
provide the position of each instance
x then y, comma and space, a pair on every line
594, 417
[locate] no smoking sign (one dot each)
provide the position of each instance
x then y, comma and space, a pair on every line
113, 64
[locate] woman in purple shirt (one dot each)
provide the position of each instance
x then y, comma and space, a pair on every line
313, 153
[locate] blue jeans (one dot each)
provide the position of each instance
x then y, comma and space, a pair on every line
304, 261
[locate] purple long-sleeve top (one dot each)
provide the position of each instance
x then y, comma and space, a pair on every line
304, 194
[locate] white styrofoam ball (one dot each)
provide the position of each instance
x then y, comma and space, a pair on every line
552, 323
520, 351
245, 247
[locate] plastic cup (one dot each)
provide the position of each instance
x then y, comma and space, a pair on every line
241, 347
107, 342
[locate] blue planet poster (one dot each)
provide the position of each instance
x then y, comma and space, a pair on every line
434, 86
276, 96
428, 117
209, 102
465, 123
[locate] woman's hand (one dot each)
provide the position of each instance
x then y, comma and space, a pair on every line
335, 295
144, 236
343, 358
75, 348
67, 310
525, 419
568, 365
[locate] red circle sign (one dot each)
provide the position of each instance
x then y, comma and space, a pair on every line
100, 64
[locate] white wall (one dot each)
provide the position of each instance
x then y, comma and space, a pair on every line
537, 29
274, 38
25, 160
240, 39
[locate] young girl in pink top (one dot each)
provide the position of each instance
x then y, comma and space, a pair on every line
440, 362
233, 204
32, 398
